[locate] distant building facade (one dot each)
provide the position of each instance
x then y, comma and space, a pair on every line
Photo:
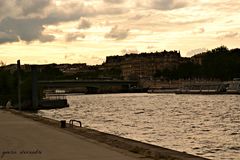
144, 65
70, 69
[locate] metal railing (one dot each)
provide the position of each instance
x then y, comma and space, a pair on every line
71, 122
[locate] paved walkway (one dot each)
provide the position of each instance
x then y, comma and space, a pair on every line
22, 138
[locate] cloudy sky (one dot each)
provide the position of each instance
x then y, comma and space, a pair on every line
86, 31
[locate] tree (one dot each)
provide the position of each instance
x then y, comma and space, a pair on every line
2, 63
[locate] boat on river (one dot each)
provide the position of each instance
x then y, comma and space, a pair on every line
53, 101
162, 90
229, 87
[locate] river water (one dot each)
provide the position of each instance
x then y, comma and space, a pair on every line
203, 125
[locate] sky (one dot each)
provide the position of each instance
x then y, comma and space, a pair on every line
86, 31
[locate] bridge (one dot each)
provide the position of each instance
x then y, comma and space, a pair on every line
91, 86
86, 83
35, 95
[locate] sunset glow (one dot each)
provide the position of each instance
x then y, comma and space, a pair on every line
83, 31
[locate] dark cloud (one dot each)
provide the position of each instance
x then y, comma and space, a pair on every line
26, 29
26, 20
30, 28
84, 24
32, 6
74, 36
117, 33
167, 4
68, 12
112, 10
46, 38
5, 38
163, 4
18, 21
7, 8
21, 8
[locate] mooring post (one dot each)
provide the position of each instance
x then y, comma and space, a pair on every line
19, 84
34, 88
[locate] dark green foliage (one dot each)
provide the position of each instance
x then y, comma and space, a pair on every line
113, 73
88, 75
8, 85
220, 63
49, 72
186, 70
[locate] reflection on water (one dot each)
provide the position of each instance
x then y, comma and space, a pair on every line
204, 125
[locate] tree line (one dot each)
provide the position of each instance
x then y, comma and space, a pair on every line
219, 63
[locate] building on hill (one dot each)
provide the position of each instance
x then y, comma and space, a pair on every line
144, 65
112, 62
70, 69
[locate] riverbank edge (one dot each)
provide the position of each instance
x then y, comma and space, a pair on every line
147, 150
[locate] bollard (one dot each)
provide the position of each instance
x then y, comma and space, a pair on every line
63, 124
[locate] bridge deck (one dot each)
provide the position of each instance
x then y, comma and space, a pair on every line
88, 83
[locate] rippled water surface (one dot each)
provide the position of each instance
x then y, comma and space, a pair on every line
204, 125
